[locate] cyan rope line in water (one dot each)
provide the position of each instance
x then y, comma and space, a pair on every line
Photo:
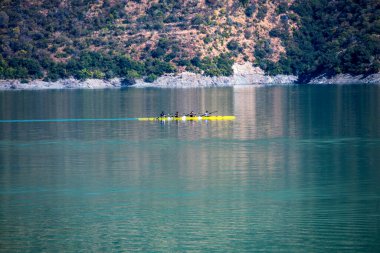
64, 120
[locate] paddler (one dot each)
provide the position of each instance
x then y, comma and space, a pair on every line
162, 114
176, 115
191, 114
206, 114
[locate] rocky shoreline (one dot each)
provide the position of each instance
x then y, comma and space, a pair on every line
244, 74
346, 79
69, 83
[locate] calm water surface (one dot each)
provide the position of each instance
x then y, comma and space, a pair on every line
297, 171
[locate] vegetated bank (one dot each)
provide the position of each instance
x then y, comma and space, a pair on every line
140, 39
243, 74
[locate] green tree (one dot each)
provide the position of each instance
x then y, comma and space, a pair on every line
4, 19
244, 2
150, 78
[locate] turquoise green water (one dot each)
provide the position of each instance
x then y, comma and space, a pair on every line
297, 171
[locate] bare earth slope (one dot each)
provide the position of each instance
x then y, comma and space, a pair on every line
173, 31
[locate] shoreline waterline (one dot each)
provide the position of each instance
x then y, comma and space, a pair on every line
244, 74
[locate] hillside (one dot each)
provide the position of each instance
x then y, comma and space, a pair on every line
54, 39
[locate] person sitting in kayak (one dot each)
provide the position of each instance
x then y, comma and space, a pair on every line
206, 114
162, 114
191, 114
176, 114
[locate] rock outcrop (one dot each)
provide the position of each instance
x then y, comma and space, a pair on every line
346, 79
70, 83
244, 74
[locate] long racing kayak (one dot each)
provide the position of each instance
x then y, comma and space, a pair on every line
184, 118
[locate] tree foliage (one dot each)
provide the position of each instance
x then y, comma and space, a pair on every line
334, 37
59, 39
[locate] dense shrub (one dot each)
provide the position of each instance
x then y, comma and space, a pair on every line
329, 36
233, 45
250, 10
326, 43
262, 12
218, 66
244, 2
150, 78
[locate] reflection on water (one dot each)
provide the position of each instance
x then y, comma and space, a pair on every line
300, 111
297, 171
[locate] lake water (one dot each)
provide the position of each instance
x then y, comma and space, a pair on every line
297, 171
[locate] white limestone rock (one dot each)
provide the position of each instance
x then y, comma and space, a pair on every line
346, 79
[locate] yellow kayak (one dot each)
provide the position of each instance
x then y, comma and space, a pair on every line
184, 118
